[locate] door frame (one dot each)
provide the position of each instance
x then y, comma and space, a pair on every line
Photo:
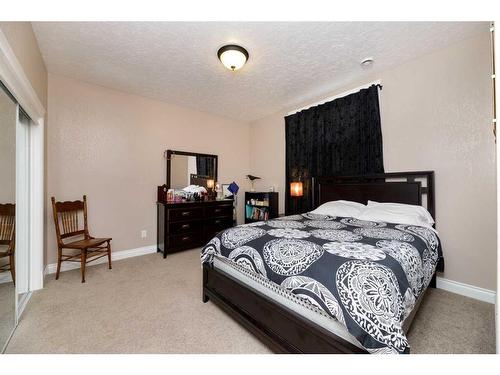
14, 78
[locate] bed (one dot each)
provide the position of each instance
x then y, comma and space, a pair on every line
313, 301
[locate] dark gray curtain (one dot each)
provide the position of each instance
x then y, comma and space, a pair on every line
205, 166
341, 137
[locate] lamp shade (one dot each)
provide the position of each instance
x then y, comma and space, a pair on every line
232, 56
296, 189
210, 184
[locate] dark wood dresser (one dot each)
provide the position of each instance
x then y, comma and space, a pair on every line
186, 225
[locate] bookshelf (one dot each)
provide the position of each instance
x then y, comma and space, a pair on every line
260, 206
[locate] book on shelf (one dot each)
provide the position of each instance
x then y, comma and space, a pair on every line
260, 203
256, 213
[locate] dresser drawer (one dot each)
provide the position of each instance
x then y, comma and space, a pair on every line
214, 226
222, 222
184, 227
188, 225
188, 213
219, 211
185, 240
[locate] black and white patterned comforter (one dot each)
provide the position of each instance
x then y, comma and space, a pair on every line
367, 275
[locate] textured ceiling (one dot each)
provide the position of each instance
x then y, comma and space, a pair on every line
289, 62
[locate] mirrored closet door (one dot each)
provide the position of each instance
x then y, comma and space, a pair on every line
14, 213
8, 121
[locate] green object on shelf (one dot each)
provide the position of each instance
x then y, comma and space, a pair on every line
248, 209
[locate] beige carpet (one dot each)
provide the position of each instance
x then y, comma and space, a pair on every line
7, 311
151, 305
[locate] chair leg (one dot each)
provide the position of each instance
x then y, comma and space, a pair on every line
109, 255
12, 266
83, 261
59, 256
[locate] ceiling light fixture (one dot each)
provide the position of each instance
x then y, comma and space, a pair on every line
367, 62
232, 56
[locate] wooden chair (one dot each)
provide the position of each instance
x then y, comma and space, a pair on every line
8, 238
88, 248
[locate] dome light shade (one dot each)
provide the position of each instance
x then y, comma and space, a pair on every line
232, 56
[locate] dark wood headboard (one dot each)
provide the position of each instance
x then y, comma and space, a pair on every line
398, 187
196, 179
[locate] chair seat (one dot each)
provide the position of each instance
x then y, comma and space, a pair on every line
86, 243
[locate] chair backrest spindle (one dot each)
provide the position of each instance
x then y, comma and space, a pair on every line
66, 218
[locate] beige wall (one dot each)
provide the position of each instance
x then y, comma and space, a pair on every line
436, 115
23, 42
8, 115
109, 145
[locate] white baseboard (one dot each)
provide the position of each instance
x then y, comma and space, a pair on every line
467, 290
67, 266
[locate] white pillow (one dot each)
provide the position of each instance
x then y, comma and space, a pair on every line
397, 213
340, 208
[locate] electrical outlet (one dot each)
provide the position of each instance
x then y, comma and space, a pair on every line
144, 233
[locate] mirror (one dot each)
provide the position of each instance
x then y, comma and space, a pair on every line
8, 120
190, 168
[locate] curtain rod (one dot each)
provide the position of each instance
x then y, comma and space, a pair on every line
329, 99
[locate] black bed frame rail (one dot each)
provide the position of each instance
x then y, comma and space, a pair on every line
281, 329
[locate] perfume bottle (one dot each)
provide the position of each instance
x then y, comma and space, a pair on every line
170, 195
218, 191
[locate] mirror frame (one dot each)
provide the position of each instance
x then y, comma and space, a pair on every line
169, 153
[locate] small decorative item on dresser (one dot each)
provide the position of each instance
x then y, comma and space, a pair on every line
218, 191
162, 193
211, 188
233, 188
260, 206
170, 195
225, 191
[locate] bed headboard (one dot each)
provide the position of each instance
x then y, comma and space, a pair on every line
197, 179
399, 187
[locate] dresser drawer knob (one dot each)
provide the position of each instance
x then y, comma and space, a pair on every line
217, 221
217, 210
185, 238
186, 213
185, 226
